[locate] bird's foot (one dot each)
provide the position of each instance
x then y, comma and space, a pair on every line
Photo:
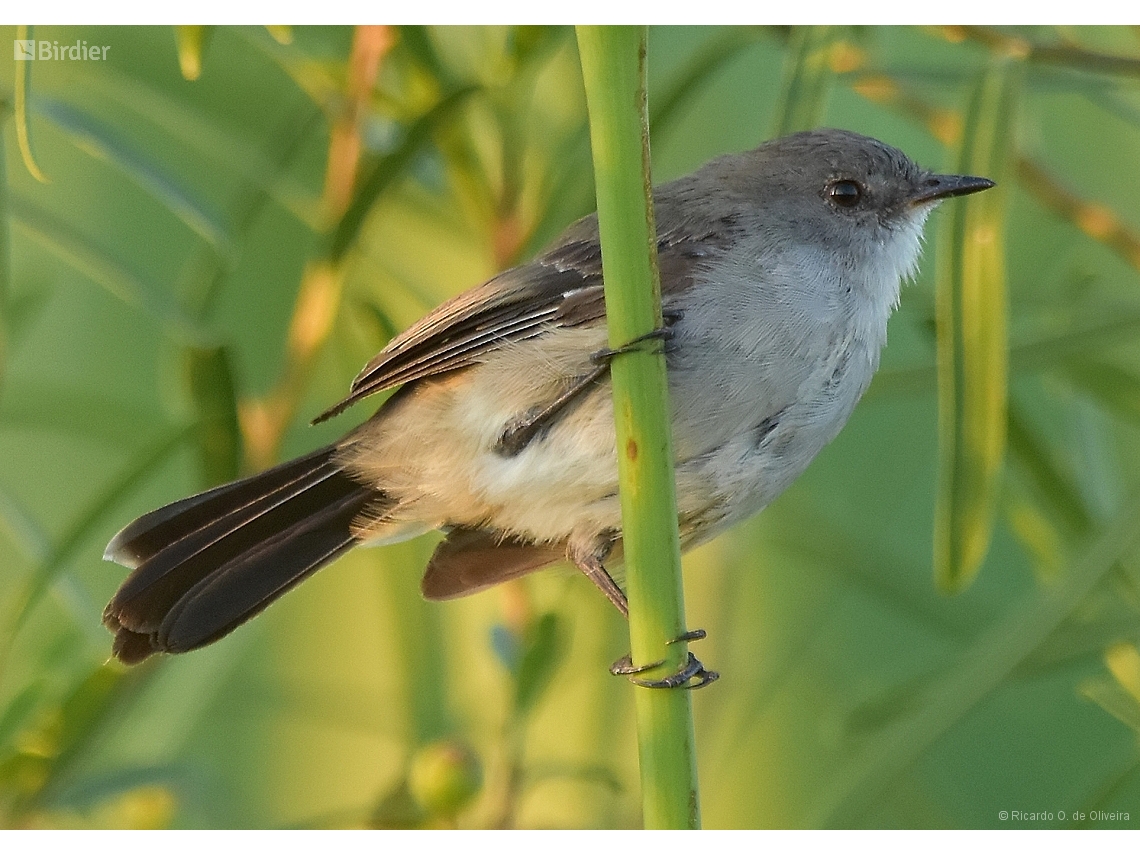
654, 341
691, 675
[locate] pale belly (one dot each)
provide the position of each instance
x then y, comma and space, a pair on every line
433, 449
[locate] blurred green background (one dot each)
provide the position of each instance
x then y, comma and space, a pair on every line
231, 221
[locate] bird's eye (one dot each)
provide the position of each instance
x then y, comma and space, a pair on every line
845, 194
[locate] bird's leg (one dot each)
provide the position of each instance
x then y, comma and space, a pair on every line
522, 431
589, 559
691, 675
519, 434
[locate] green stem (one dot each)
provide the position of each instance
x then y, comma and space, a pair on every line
613, 70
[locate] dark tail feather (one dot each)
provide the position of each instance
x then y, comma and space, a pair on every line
207, 564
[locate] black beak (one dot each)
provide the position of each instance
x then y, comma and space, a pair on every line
936, 187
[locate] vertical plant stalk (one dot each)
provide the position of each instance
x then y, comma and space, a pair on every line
613, 70
265, 421
807, 79
370, 44
973, 338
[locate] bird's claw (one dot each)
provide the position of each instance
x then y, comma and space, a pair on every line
654, 341
691, 675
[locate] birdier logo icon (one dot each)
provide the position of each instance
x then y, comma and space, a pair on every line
24, 50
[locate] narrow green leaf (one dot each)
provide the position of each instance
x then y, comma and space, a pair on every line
210, 383
21, 312
141, 103
1130, 582
16, 714
568, 190
542, 653
417, 41
1039, 537
832, 549
418, 641
21, 776
282, 34
1076, 643
807, 79
98, 788
1077, 57
202, 280
1108, 616
1113, 699
973, 337
875, 715
317, 79
390, 168
594, 774
109, 273
1051, 482
1115, 387
23, 528
985, 665
1028, 357
191, 43
386, 329
506, 646
41, 405
1109, 793
709, 58
530, 44
23, 91
1123, 661
92, 517
1121, 326
85, 705
1108, 98
74, 725
104, 143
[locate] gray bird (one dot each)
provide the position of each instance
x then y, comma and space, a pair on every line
779, 269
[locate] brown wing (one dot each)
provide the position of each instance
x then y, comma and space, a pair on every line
561, 288
470, 560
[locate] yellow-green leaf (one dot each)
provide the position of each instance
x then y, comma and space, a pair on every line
1123, 661
191, 43
282, 34
973, 347
23, 87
